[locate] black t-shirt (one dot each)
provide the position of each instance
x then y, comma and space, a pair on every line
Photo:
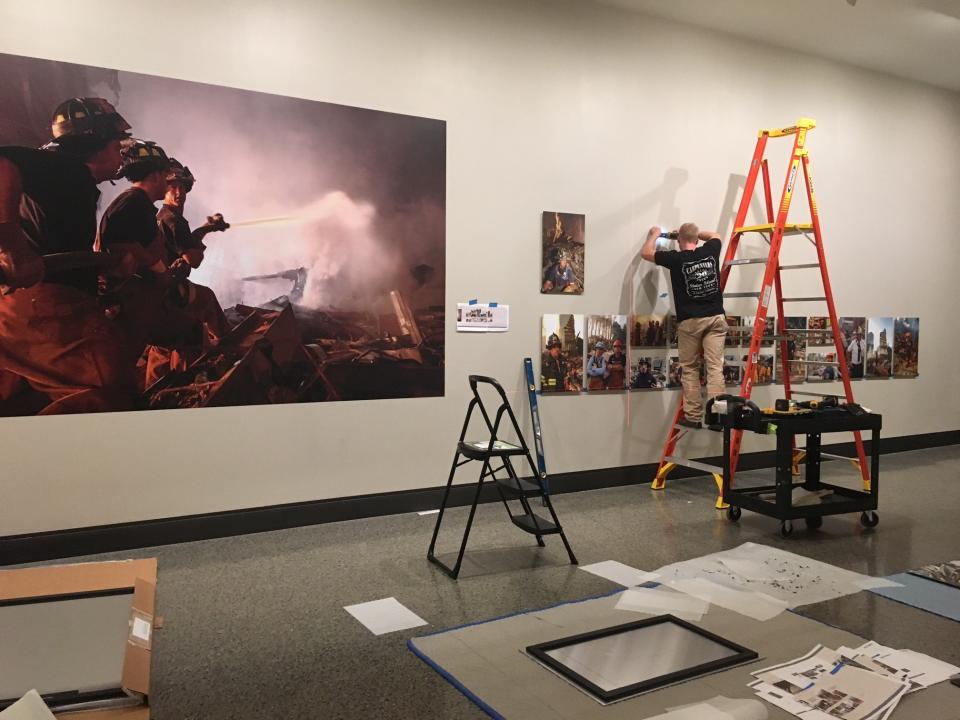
58, 210
131, 218
695, 277
176, 233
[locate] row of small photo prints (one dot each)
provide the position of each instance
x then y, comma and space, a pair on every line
637, 352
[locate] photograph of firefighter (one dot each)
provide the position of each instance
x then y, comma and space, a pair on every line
879, 347
762, 368
648, 373
906, 347
853, 331
769, 325
648, 331
732, 370
563, 236
606, 363
824, 335
735, 335
796, 349
821, 366
326, 284
561, 364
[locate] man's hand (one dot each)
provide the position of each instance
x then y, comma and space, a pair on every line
216, 223
179, 270
649, 248
20, 265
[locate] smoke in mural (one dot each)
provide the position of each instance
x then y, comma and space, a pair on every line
170, 244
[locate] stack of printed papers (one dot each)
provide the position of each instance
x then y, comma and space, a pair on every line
863, 683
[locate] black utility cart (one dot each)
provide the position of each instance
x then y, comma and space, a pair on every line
777, 500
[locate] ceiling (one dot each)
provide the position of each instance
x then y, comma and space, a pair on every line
913, 39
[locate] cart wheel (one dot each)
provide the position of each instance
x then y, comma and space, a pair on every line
814, 522
733, 513
869, 519
786, 528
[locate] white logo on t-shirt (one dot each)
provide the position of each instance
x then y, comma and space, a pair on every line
700, 277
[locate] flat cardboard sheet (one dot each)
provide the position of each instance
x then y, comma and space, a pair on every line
489, 661
920, 592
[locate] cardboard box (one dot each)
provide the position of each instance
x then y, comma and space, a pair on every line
141, 575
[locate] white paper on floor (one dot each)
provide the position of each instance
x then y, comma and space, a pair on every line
428, 512
756, 605
785, 576
30, 707
619, 573
660, 600
717, 708
383, 616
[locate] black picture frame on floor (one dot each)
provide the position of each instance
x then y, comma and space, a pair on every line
739, 655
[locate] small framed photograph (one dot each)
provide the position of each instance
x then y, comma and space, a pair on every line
618, 662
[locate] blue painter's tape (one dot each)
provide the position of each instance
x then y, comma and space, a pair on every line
663, 295
492, 304
471, 302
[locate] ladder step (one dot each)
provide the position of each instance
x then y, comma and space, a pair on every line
748, 261
800, 267
788, 229
805, 299
517, 487
477, 449
712, 469
534, 524
742, 295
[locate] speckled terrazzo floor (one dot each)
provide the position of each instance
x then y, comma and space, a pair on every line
255, 626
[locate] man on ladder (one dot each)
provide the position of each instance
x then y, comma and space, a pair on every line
698, 302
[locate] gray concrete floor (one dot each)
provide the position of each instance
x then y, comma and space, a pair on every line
255, 626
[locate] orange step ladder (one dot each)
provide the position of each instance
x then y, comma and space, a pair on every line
773, 232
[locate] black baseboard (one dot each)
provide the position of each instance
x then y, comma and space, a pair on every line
36, 547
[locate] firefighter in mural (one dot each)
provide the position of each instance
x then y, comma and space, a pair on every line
54, 337
553, 367
186, 245
617, 367
141, 303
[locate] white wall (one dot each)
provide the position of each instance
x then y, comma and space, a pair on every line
550, 105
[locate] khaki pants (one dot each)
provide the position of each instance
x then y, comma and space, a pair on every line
696, 335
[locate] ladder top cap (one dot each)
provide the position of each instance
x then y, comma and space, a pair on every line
803, 123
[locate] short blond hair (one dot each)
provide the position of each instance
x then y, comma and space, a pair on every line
689, 232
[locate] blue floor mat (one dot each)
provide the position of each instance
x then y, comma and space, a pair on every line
919, 592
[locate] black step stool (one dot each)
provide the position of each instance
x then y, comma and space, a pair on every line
511, 487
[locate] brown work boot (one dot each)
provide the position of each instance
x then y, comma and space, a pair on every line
687, 422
